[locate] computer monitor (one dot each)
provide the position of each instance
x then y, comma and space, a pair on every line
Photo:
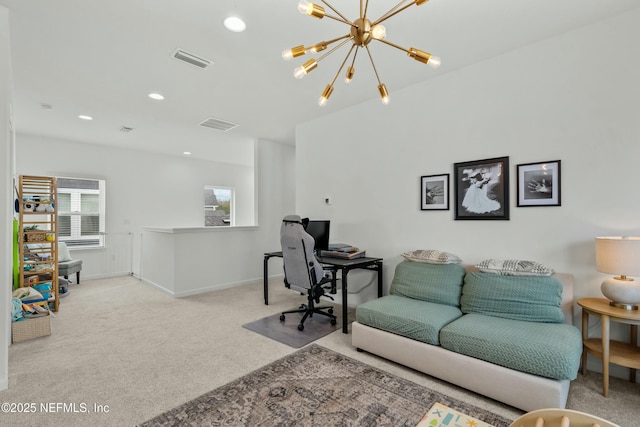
319, 230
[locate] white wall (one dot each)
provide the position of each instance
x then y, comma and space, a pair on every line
142, 189
6, 196
573, 97
184, 262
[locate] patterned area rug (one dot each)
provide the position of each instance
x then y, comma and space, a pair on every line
316, 387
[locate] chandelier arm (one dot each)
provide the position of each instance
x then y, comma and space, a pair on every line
383, 17
337, 39
337, 13
393, 11
354, 56
333, 50
363, 14
342, 65
393, 44
373, 65
326, 15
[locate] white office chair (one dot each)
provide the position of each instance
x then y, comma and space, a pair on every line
554, 417
302, 271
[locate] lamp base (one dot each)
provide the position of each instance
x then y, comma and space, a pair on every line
623, 293
629, 307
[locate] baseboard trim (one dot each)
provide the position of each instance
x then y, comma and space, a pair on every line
202, 290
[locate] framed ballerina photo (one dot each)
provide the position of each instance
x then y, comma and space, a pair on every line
482, 189
434, 192
539, 184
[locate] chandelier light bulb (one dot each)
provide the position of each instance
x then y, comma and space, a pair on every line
378, 32
308, 8
305, 69
299, 73
305, 7
326, 93
349, 75
318, 47
294, 52
384, 95
434, 61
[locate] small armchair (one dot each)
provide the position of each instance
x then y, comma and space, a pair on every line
302, 271
67, 265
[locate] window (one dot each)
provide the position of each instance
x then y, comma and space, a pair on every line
218, 206
81, 210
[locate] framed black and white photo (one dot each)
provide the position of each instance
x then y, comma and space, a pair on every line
539, 184
434, 192
482, 189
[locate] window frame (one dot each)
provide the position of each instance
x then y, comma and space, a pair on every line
75, 214
231, 220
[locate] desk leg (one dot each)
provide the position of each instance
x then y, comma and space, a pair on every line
585, 336
605, 355
334, 282
266, 279
345, 323
634, 342
379, 269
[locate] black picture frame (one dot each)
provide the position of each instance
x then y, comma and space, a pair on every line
539, 184
434, 192
482, 189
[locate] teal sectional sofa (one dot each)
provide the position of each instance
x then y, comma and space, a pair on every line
508, 337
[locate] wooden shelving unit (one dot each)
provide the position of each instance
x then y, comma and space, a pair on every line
38, 236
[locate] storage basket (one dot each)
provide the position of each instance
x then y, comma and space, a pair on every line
31, 328
35, 237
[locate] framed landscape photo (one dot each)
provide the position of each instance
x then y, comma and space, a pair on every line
434, 192
539, 184
482, 189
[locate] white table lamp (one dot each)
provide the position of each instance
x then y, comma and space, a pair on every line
620, 255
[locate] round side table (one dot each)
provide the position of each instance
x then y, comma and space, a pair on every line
610, 351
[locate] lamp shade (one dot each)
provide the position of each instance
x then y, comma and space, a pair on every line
618, 255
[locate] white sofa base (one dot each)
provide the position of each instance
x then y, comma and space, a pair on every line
521, 390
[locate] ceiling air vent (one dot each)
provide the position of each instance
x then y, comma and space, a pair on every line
218, 124
190, 58
125, 129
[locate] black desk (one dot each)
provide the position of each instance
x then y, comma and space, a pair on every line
344, 265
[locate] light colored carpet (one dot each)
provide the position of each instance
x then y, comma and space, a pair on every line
136, 353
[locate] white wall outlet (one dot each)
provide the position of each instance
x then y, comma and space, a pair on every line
326, 200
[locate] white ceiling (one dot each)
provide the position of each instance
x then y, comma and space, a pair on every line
102, 58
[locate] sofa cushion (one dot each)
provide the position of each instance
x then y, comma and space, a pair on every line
530, 298
437, 283
514, 267
411, 318
546, 349
431, 256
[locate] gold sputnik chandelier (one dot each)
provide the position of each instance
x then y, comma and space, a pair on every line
362, 31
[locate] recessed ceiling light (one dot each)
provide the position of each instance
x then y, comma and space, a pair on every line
156, 96
187, 153
235, 24
46, 107
85, 117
